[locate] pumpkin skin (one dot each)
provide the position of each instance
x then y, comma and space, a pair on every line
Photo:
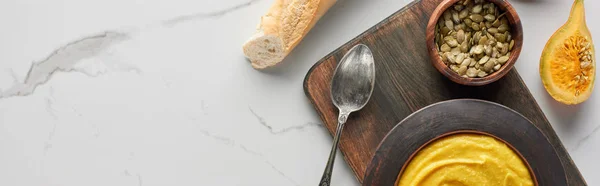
568, 65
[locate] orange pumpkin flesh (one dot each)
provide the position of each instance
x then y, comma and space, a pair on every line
567, 65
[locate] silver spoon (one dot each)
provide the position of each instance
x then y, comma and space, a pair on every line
351, 87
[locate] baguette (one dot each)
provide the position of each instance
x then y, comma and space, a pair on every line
282, 28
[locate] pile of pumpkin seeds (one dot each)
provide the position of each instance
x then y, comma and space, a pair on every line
473, 38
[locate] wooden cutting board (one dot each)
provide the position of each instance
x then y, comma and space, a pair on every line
406, 81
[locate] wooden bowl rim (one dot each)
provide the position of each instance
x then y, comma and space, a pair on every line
451, 133
512, 16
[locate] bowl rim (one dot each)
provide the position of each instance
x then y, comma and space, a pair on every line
405, 138
515, 24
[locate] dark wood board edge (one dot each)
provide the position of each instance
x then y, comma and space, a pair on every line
561, 149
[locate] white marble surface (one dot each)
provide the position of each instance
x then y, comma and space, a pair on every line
156, 92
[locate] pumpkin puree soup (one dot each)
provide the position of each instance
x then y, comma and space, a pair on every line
466, 160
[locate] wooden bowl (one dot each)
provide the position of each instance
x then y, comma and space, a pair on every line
464, 116
516, 32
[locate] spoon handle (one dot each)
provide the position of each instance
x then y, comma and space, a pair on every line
326, 178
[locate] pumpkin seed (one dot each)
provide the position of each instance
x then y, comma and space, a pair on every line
488, 24
479, 56
585, 64
494, 52
472, 72
455, 51
490, 37
481, 74
459, 7
464, 47
492, 10
463, 14
460, 58
476, 18
445, 48
492, 30
488, 50
458, 27
447, 38
489, 66
445, 30
503, 28
497, 67
460, 36
477, 36
504, 50
475, 26
467, 21
512, 43
477, 9
504, 21
444, 57
451, 58
462, 70
454, 67
502, 59
467, 36
455, 17
493, 60
484, 60
478, 49
496, 23
486, 6
500, 37
491, 41
489, 17
447, 16
499, 45
466, 62
449, 24
468, 29
483, 40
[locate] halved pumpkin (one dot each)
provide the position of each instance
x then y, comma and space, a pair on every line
568, 65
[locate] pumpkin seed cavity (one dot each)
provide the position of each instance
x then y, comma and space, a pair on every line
573, 64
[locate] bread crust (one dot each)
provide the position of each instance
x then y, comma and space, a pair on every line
282, 28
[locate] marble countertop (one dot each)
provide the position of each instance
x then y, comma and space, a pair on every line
156, 92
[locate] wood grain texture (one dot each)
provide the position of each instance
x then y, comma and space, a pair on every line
464, 116
516, 32
406, 82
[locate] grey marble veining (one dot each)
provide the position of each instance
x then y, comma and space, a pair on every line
141, 92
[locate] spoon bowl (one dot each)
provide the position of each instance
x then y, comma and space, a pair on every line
353, 79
